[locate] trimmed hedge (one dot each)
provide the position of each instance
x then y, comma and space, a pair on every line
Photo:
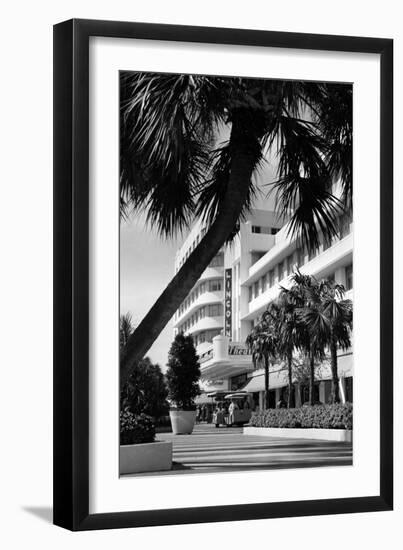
136, 428
335, 416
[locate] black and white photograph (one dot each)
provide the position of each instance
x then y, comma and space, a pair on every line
202, 256
236, 274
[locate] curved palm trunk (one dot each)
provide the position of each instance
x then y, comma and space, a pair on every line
266, 383
289, 365
244, 156
335, 396
312, 378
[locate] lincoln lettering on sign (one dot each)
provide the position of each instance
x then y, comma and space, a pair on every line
228, 303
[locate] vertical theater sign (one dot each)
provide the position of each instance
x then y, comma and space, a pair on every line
228, 303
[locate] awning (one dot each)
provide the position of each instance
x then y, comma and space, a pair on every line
222, 369
277, 379
203, 398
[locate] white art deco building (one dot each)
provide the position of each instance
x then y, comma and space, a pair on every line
235, 289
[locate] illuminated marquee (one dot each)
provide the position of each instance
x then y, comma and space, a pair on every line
238, 349
228, 303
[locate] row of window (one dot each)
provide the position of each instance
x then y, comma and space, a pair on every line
268, 280
205, 336
217, 260
192, 246
212, 310
215, 285
296, 259
264, 230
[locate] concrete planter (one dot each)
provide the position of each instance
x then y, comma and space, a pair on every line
302, 433
145, 457
182, 421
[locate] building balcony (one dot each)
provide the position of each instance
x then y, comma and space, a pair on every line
224, 358
212, 273
204, 299
207, 323
322, 265
284, 246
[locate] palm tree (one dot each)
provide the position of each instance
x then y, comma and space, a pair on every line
303, 299
262, 343
327, 319
173, 166
125, 330
336, 315
291, 332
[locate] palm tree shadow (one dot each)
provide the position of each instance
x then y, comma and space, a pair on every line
45, 513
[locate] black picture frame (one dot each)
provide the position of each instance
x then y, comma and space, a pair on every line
71, 274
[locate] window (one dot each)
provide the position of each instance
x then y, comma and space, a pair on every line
304, 392
262, 230
202, 288
214, 285
256, 289
263, 281
330, 277
238, 381
274, 230
217, 261
281, 271
349, 388
215, 310
250, 293
290, 263
349, 277
255, 256
271, 277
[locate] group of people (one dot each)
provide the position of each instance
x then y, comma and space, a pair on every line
223, 412
204, 413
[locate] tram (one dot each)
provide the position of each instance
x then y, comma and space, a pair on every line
233, 408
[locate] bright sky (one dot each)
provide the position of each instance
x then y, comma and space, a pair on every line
146, 267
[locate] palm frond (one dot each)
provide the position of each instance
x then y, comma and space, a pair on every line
165, 143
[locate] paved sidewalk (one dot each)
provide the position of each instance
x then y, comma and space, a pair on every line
210, 449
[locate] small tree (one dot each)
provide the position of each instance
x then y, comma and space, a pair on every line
183, 372
262, 343
329, 318
339, 313
126, 329
145, 391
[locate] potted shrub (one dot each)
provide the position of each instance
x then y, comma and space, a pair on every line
139, 452
183, 376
